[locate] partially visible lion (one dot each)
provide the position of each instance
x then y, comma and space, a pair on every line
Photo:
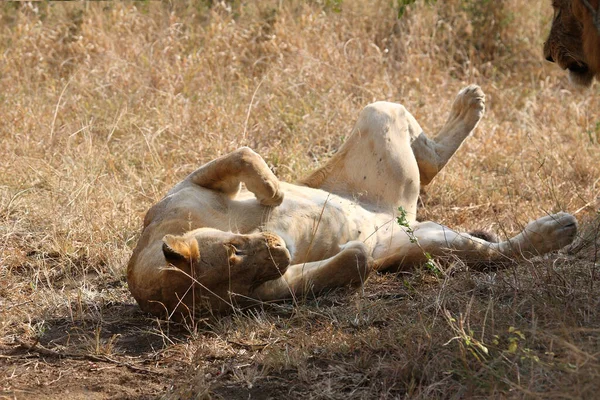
574, 40
213, 243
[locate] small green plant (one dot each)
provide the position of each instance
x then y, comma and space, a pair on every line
403, 222
330, 5
403, 4
334, 5
594, 134
466, 337
515, 336
430, 264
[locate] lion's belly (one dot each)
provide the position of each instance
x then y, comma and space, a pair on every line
314, 223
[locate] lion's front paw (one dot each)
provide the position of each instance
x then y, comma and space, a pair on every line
550, 233
276, 200
469, 105
358, 262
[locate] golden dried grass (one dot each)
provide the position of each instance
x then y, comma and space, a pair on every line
106, 105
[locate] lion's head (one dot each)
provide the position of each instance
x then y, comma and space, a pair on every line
574, 40
225, 267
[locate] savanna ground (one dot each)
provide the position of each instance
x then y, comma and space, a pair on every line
104, 106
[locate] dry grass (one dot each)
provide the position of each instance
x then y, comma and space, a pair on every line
106, 105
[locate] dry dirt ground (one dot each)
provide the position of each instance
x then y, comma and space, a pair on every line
104, 106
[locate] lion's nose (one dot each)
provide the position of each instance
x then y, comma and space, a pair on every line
548, 51
273, 240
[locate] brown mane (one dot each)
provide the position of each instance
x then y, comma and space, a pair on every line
574, 39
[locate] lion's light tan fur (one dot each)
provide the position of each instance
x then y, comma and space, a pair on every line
269, 240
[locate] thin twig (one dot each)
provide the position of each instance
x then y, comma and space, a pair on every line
41, 350
57, 107
250, 107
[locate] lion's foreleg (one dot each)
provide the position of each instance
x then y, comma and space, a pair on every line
243, 165
351, 266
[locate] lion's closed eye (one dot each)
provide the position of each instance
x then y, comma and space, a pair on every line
232, 250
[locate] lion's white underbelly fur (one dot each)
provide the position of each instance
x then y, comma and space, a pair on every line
313, 222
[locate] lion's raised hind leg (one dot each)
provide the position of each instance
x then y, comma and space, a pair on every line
376, 164
388, 155
433, 154
227, 172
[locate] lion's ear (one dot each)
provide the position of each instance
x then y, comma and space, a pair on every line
179, 250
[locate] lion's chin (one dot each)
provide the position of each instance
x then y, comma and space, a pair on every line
580, 75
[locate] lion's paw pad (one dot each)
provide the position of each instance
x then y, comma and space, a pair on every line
469, 104
551, 232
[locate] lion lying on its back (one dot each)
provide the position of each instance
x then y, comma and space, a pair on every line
213, 243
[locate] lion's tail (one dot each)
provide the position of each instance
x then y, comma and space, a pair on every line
487, 236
